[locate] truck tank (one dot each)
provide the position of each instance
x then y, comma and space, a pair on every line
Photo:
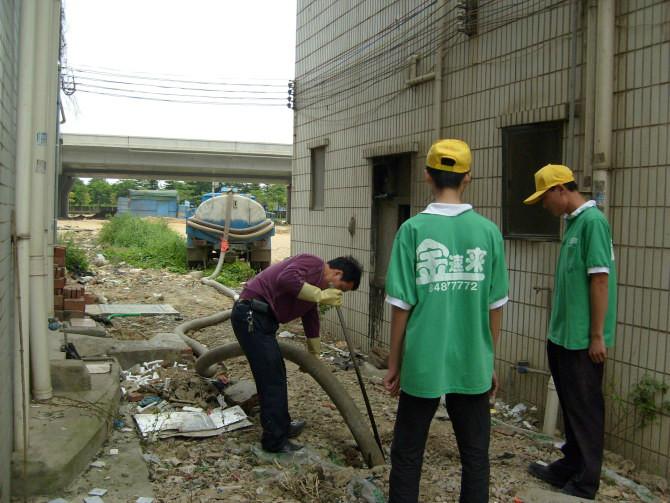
249, 234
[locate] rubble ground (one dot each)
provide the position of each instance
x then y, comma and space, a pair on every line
231, 467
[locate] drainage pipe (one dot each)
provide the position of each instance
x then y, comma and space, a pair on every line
246, 230
233, 233
604, 103
39, 350
550, 409
437, 86
206, 363
22, 205
52, 90
214, 319
198, 348
588, 101
323, 375
572, 87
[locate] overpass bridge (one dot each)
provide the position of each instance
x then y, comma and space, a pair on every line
174, 159
103, 156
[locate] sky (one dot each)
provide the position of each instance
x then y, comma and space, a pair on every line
241, 41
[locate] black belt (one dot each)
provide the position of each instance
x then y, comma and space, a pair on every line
257, 305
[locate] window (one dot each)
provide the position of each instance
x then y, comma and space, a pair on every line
525, 150
318, 172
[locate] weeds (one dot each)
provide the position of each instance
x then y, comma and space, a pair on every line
644, 398
75, 258
642, 406
233, 274
304, 486
143, 243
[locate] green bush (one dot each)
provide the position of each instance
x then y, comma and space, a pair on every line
149, 244
647, 398
75, 258
233, 274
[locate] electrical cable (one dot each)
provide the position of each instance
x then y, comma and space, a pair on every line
167, 78
305, 100
186, 95
193, 102
83, 79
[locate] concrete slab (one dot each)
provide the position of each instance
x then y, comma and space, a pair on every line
64, 434
538, 495
110, 310
163, 346
125, 475
69, 375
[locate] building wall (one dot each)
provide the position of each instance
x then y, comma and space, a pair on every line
351, 95
9, 28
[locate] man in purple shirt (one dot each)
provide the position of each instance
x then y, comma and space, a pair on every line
282, 292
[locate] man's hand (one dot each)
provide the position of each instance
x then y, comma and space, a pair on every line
494, 386
597, 349
392, 381
329, 296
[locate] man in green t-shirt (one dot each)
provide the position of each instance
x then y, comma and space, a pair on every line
446, 283
583, 321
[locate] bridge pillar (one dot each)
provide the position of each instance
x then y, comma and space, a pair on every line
65, 184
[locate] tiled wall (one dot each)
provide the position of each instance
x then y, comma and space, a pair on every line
9, 19
351, 70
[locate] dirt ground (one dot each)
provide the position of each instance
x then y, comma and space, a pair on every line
229, 467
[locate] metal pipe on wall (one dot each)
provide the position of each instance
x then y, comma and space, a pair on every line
437, 86
572, 88
588, 102
604, 97
24, 124
52, 145
39, 350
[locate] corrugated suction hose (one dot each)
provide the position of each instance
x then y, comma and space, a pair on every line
323, 375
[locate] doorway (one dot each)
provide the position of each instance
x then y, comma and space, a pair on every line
391, 193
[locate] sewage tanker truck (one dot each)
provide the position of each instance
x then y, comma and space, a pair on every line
249, 231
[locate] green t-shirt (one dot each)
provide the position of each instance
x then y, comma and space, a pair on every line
448, 267
586, 249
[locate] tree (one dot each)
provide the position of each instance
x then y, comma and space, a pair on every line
148, 184
122, 188
100, 191
79, 195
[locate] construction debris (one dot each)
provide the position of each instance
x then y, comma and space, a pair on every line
191, 424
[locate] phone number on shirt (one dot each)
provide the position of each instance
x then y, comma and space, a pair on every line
443, 286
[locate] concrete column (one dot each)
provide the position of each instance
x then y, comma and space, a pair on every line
65, 184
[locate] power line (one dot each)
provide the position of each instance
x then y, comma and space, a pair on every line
196, 102
83, 78
163, 78
177, 95
392, 55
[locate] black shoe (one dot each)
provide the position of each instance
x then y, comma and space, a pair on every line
571, 489
296, 427
289, 448
545, 473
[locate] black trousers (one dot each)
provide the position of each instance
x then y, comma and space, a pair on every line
579, 386
471, 420
267, 366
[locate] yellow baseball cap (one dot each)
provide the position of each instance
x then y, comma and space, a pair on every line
449, 155
547, 177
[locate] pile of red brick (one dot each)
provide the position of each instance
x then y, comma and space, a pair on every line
69, 300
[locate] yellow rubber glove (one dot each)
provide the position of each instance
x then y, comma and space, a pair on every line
314, 345
329, 296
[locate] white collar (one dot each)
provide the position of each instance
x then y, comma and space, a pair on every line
446, 209
586, 205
